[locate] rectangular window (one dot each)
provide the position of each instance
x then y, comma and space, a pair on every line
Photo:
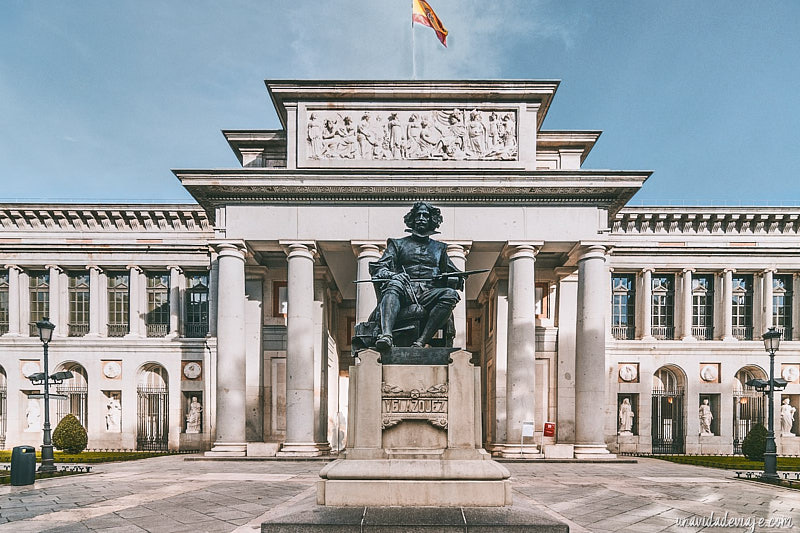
782, 299
196, 323
280, 298
78, 289
703, 306
39, 290
663, 325
118, 303
542, 300
157, 318
742, 306
623, 306
3, 302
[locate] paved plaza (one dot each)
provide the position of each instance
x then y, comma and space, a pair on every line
170, 494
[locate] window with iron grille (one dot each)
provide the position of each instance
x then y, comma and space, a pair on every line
157, 318
118, 303
3, 302
742, 306
662, 308
782, 297
78, 290
623, 305
703, 306
39, 290
196, 323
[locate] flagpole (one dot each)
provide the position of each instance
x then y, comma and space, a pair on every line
413, 46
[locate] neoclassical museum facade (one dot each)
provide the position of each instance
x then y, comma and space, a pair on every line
224, 325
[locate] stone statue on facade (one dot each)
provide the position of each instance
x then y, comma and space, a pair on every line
626, 417
787, 418
416, 296
113, 414
193, 418
705, 418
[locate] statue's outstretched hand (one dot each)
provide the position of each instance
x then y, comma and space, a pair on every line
402, 277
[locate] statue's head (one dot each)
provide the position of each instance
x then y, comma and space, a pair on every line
423, 218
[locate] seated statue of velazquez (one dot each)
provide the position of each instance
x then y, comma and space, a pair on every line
415, 297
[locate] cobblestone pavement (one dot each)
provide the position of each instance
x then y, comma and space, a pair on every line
168, 494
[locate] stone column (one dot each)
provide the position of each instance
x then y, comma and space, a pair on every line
366, 299
686, 333
300, 422
457, 251
54, 272
135, 311
230, 421
647, 304
14, 311
590, 357
521, 372
796, 306
174, 300
766, 302
94, 300
727, 305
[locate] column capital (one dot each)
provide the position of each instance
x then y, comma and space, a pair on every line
94, 267
592, 251
133, 268
770, 271
796, 275
688, 270
516, 249
13, 267
230, 248
648, 269
729, 269
294, 249
54, 267
458, 248
175, 268
367, 248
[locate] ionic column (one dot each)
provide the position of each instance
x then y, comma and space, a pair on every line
590, 354
135, 310
727, 305
174, 300
14, 311
94, 300
457, 252
300, 352
766, 302
796, 306
54, 275
366, 299
230, 424
687, 305
521, 372
647, 304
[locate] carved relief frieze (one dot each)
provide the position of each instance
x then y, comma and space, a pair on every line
443, 134
428, 404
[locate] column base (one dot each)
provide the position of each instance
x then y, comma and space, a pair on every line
228, 449
304, 449
648, 338
593, 451
689, 338
519, 451
729, 338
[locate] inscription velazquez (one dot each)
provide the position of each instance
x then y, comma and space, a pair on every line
416, 404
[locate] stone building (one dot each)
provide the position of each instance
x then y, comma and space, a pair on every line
245, 301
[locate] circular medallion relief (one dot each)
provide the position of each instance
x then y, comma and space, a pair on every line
627, 372
31, 367
192, 370
790, 373
709, 373
112, 369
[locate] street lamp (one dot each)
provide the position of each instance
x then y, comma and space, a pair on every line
772, 341
45, 334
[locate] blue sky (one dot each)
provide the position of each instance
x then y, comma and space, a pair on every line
100, 99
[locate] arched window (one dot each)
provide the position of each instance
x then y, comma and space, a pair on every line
76, 390
153, 408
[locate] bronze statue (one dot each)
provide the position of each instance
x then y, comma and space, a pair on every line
417, 287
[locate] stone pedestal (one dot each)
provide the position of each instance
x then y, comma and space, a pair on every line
413, 439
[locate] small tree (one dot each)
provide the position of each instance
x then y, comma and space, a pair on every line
70, 435
755, 443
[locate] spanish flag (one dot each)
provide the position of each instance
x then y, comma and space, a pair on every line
422, 13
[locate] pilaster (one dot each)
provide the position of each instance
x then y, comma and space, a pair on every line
686, 301
54, 275
14, 309
175, 278
766, 300
647, 304
95, 290
136, 311
727, 305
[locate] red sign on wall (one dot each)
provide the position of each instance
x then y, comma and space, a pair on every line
549, 429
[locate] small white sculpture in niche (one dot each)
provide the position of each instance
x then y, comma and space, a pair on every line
790, 373
113, 414
33, 415
787, 418
193, 418
626, 417
628, 372
112, 369
705, 419
709, 373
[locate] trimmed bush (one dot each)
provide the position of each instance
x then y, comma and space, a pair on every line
755, 443
70, 435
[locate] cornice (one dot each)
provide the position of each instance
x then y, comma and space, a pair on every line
707, 221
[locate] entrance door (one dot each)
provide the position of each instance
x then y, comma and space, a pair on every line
153, 424
748, 410
667, 424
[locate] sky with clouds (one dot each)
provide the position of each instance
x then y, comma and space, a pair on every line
100, 99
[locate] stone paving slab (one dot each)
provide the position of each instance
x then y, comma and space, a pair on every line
169, 494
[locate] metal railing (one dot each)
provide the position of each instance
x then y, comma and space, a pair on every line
195, 330
664, 333
157, 330
77, 330
624, 333
703, 333
743, 333
785, 331
117, 330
